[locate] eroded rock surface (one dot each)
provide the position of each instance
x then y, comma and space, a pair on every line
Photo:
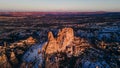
56, 49
4, 62
65, 45
65, 51
65, 42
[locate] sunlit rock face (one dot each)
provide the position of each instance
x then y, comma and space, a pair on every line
13, 59
54, 50
30, 41
64, 38
3, 58
4, 62
65, 45
52, 45
65, 42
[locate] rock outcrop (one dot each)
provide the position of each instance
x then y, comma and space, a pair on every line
4, 62
30, 40
64, 42
52, 45
65, 37
3, 58
13, 58
55, 50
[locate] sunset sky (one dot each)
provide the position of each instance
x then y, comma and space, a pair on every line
60, 5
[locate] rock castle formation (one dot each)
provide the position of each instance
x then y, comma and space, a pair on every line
56, 49
65, 42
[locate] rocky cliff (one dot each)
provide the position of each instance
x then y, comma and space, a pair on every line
65, 45
55, 50
64, 42
4, 62
65, 51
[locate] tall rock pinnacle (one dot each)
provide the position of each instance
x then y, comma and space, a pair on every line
64, 39
52, 45
50, 36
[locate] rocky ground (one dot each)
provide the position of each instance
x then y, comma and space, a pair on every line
62, 51
68, 51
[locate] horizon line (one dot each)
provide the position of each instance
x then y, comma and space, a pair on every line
60, 11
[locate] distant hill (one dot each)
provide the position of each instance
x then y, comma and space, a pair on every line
44, 13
